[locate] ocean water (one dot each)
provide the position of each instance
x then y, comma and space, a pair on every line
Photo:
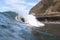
10, 29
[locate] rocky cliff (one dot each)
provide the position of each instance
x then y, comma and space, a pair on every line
46, 7
48, 11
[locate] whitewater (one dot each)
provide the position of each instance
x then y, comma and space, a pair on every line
10, 29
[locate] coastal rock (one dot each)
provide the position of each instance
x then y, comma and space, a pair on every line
46, 7
48, 11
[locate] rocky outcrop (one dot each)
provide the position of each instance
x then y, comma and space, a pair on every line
46, 7
48, 11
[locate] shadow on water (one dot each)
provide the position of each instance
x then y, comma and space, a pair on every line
10, 29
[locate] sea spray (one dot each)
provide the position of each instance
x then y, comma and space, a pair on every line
30, 20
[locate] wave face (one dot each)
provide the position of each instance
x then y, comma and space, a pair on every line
10, 29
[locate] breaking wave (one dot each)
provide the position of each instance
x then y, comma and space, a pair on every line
10, 29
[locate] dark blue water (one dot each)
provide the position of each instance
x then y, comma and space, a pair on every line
10, 29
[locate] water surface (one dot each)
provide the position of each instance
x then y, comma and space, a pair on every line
10, 29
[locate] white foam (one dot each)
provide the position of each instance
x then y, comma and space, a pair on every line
31, 20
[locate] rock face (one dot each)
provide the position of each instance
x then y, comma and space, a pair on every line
48, 11
46, 7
